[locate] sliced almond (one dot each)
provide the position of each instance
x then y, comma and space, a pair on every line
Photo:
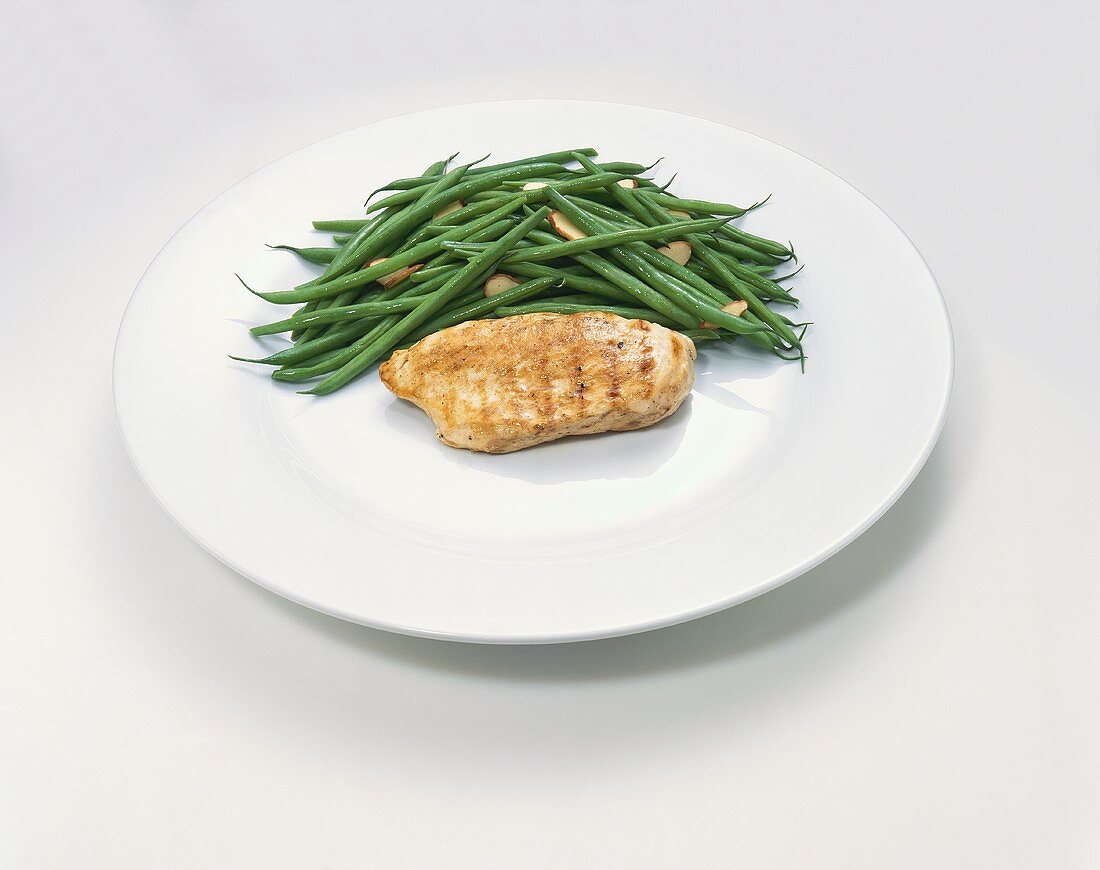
534, 185
628, 183
388, 281
678, 251
498, 283
679, 214
448, 209
565, 227
736, 308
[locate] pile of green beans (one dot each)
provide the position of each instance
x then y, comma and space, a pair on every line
572, 235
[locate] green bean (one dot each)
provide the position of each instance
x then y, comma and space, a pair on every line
533, 196
758, 268
428, 308
574, 269
437, 168
601, 240
373, 238
431, 203
639, 212
584, 299
650, 212
766, 288
654, 277
346, 321
745, 292
789, 275
319, 360
306, 366
341, 226
766, 246
763, 245
446, 261
475, 310
371, 292
700, 269
620, 166
298, 373
410, 257
435, 271
348, 297
414, 239
741, 281
688, 274
313, 332
339, 336
310, 255
303, 350
367, 343
339, 264
697, 287
625, 281
553, 157
587, 283
627, 169
698, 205
744, 252
477, 184
338, 313
356, 294
691, 283
485, 196
729, 274
580, 278
611, 214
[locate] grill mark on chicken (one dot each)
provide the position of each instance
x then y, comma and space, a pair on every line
502, 385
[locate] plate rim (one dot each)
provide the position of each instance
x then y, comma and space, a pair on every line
620, 630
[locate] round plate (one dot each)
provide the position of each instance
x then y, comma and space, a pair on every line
349, 505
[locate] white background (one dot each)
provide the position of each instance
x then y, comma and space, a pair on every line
927, 698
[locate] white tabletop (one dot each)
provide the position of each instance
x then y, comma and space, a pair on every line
926, 698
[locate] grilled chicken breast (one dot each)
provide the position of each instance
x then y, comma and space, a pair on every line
502, 385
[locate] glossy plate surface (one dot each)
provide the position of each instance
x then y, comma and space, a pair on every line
349, 505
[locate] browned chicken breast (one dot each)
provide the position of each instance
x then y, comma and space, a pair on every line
502, 385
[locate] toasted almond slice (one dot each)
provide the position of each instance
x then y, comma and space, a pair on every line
498, 283
680, 214
627, 182
400, 275
534, 185
388, 281
448, 209
678, 251
736, 308
565, 227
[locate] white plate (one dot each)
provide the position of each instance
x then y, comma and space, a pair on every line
347, 504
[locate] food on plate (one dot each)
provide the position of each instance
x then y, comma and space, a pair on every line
501, 385
554, 233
